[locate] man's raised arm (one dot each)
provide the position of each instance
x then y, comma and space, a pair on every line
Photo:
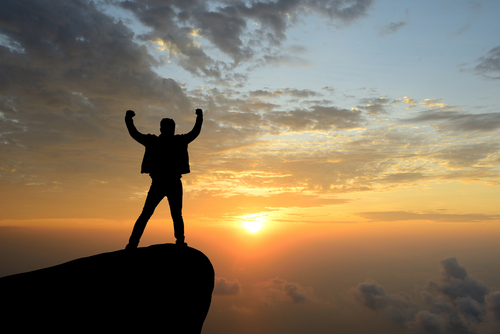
131, 127
191, 135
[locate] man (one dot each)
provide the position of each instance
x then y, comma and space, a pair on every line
165, 160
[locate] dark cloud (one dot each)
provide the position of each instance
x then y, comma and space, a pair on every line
67, 74
69, 71
329, 89
73, 74
316, 118
265, 93
280, 290
407, 177
392, 27
452, 269
176, 25
371, 295
431, 323
455, 303
460, 156
298, 93
374, 106
455, 121
457, 285
490, 63
74, 58
73, 47
226, 288
493, 302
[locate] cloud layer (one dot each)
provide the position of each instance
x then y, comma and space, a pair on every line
278, 290
245, 32
70, 69
455, 303
489, 64
226, 288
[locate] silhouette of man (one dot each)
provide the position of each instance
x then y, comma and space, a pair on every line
165, 159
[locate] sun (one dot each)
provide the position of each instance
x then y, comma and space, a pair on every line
253, 226
253, 223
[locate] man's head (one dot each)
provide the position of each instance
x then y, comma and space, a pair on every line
167, 126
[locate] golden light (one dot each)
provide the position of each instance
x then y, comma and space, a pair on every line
253, 223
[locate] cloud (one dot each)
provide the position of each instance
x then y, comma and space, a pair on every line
392, 27
74, 48
252, 134
67, 78
455, 121
316, 118
228, 27
493, 302
71, 69
298, 93
427, 322
75, 59
490, 63
406, 177
460, 156
254, 128
373, 295
412, 103
74, 67
431, 216
329, 89
280, 290
71, 77
431, 103
374, 106
288, 60
224, 287
456, 284
455, 303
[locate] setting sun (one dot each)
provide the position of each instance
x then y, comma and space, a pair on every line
253, 223
252, 226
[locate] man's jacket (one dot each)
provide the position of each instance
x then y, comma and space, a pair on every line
165, 155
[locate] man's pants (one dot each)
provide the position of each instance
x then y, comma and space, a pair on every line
161, 187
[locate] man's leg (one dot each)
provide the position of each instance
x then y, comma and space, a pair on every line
155, 195
174, 195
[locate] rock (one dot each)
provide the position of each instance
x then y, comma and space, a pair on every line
161, 288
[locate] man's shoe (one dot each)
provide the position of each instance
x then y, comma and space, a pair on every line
130, 247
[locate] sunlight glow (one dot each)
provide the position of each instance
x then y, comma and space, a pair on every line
253, 223
252, 226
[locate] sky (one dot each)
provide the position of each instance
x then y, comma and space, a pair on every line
346, 179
